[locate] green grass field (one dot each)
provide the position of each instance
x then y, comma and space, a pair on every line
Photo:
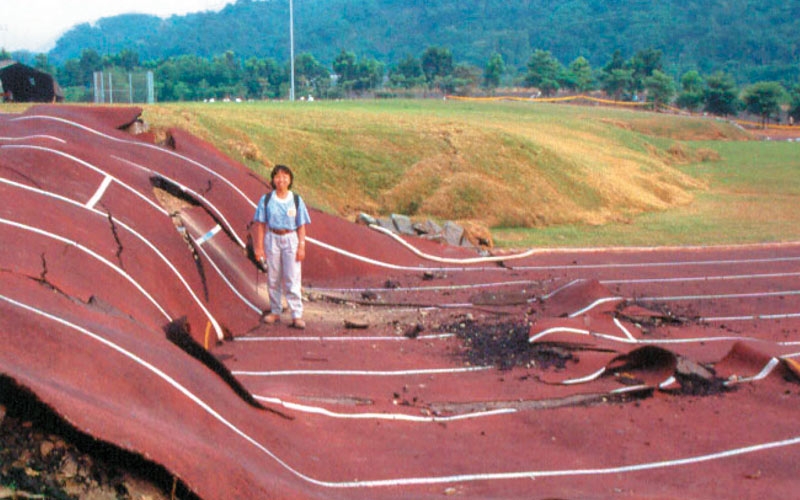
536, 174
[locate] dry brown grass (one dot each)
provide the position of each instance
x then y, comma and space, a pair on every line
494, 164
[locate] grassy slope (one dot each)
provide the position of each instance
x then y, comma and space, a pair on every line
538, 174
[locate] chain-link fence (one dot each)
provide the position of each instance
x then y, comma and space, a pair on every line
117, 87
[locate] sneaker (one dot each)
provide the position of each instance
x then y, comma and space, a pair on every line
271, 318
299, 324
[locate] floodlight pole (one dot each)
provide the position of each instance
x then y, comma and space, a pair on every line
291, 44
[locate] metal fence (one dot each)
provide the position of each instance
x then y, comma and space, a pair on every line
116, 87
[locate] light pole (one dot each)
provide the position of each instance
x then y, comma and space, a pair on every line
291, 47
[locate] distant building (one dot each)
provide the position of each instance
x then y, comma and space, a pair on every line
21, 83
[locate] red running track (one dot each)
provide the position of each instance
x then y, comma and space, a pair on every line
679, 375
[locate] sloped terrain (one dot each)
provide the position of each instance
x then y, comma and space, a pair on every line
130, 306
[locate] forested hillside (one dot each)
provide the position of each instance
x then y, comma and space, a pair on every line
753, 40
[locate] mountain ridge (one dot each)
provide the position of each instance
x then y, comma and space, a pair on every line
749, 39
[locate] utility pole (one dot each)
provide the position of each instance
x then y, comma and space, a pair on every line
291, 44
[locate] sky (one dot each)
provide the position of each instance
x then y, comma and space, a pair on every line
35, 25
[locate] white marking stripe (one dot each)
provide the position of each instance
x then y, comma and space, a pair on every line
100, 191
93, 254
660, 264
205, 201
718, 296
211, 318
587, 378
684, 279
90, 167
412, 480
360, 373
594, 304
342, 338
773, 362
383, 416
29, 137
753, 317
210, 234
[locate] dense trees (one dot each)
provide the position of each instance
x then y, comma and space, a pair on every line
752, 40
638, 78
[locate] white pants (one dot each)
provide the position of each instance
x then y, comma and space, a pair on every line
284, 273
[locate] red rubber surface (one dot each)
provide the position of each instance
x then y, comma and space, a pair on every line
93, 269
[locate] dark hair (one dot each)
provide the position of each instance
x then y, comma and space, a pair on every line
281, 168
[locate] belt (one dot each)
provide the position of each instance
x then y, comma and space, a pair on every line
281, 231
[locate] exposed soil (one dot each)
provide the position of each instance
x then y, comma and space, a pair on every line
505, 346
43, 457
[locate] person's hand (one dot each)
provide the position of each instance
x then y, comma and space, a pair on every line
301, 252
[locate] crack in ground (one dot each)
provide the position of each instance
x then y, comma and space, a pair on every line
115, 233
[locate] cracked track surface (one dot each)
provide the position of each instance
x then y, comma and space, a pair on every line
424, 371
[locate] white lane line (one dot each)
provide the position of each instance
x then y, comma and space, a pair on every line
397, 417
473, 260
577, 331
751, 295
594, 304
431, 288
587, 378
361, 373
766, 370
92, 168
628, 265
141, 144
254, 307
140, 237
494, 284
754, 317
697, 297
685, 279
367, 260
207, 204
398, 267
412, 481
344, 338
37, 136
94, 255
100, 192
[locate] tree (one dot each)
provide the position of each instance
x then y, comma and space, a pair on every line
543, 72
794, 105
263, 78
691, 94
494, 71
312, 77
407, 74
127, 59
720, 95
617, 81
644, 64
764, 99
582, 74
355, 75
42, 64
437, 63
344, 66
89, 62
660, 89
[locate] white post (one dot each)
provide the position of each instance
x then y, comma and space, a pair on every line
291, 48
110, 90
